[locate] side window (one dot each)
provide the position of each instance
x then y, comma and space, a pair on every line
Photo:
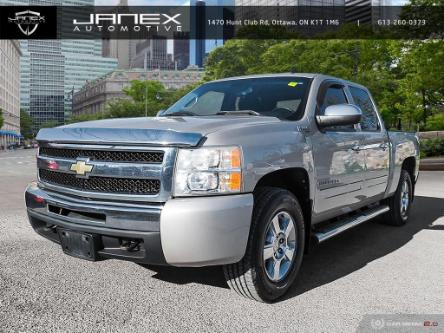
369, 119
334, 95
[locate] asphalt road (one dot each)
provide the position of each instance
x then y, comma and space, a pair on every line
372, 269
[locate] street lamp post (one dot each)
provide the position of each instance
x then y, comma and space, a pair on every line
146, 98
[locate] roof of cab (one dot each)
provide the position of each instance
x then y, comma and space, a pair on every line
306, 75
254, 76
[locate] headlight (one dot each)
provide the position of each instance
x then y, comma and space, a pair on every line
208, 171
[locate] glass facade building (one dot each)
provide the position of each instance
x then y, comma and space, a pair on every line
83, 62
199, 49
9, 91
42, 81
52, 69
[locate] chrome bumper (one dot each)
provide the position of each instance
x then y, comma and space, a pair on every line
114, 215
182, 232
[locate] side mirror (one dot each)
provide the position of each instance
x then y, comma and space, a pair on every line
160, 112
340, 114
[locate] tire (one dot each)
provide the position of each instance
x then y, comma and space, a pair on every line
256, 278
400, 202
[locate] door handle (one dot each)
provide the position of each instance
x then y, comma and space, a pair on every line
356, 148
383, 146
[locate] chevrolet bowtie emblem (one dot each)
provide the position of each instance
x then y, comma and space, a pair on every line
81, 168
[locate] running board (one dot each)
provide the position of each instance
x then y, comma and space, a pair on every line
338, 227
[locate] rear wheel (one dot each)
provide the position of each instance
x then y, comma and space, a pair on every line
275, 247
400, 202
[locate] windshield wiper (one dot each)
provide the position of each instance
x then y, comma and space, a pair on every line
180, 113
238, 113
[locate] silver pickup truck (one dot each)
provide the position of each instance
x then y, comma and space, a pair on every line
246, 172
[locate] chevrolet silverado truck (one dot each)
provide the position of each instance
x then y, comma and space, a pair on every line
245, 172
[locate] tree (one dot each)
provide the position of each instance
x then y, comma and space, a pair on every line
169, 97
406, 78
149, 95
26, 125
138, 90
237, 57
370, 62
85, 117
50, 124
122, 107
435, 122
133, 105
431, 10
422, 84
2, 120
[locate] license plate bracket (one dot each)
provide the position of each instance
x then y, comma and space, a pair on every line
78, 244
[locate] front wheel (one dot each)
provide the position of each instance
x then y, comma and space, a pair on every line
275, 247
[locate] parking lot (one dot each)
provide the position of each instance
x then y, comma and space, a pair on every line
371, 269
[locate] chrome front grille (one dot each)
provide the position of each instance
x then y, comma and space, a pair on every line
102, 184
114, 172
105, 155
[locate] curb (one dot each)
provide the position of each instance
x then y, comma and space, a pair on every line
432, 164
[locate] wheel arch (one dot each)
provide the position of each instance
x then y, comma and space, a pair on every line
296, 181
409, 165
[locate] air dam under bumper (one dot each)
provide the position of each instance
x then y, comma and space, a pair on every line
195, 231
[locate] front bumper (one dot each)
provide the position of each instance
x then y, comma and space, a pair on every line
193, 232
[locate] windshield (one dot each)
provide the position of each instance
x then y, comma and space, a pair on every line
281, 97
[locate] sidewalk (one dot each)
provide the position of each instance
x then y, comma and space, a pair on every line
432, 163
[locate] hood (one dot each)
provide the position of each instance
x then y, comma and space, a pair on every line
159, 131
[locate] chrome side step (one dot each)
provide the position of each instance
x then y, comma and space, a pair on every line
338, 227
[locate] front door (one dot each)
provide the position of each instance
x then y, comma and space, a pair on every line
339, 162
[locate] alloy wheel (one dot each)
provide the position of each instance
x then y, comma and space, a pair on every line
279, 246
405, 199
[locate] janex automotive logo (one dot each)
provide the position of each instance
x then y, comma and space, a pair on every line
33, 22
27, 21
129, 22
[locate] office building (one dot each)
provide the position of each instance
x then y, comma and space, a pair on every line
152, 54
10, 91
42, 81
368, 11
284, 3
123, 50
94, 95
199, 48
181, 45
52, 69
83, 62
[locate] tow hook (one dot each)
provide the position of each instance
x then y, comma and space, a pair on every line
130, 245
